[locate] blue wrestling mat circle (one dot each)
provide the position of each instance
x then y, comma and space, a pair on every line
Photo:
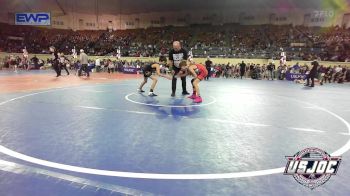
166, 101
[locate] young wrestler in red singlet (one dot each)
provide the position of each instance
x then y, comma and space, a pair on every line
199, 72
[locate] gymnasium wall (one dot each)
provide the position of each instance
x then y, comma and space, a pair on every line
254, 16
198, 60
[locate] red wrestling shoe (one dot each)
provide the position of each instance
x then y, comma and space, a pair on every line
198, 99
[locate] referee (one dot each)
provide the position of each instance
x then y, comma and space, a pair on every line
176, 55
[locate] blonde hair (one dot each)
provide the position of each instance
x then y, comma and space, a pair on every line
183, 63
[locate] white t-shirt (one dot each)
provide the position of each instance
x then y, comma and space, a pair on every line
25, 53
98, 62
111, 65
62, 60
338, 69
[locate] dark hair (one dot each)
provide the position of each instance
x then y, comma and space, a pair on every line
162, 59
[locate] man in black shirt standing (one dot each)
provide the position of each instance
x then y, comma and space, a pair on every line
312, 74
55, 61
208, 64
242, 68
270, 68
176, 55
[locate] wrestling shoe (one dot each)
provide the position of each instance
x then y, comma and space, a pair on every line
198, 99
193, 96
151, 94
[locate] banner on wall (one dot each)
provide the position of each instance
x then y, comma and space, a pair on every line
130, 70
293, 76
41, 18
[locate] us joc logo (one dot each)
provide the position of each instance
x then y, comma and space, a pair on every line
312, 167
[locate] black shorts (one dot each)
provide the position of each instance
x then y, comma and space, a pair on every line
148, 70
147, 73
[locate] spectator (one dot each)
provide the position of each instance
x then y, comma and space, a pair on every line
84, 63
270, 70
208, 64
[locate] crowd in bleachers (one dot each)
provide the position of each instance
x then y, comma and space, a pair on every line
335, 74
271, 71
230, 40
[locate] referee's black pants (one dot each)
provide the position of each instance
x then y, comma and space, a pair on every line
183, 80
